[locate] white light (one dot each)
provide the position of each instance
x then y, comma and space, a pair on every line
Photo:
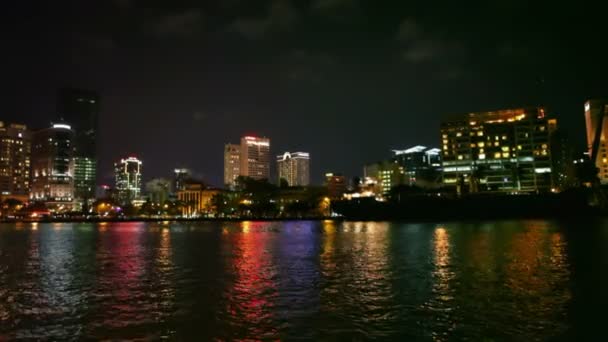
414, 149
62, 126
587, 107
542, 170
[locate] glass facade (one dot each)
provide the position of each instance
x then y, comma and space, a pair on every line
128, 180
53, 166
501, 151
294, 168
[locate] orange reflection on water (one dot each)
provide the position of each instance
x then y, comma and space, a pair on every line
442, 272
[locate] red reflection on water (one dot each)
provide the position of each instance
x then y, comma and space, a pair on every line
250, 307
120, 264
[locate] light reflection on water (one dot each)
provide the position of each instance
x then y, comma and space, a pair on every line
520, 280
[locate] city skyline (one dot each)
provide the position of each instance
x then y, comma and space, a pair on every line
170, 76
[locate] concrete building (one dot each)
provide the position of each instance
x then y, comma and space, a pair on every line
336, 185
53, 167
385, 175
232, 164
596, 112
501, 151
255, 157
294, 168
128, 174
15, 158
421, 166
196, 199
81, 109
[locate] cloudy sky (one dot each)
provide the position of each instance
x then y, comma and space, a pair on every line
346, 80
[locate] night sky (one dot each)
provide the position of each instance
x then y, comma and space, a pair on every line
346, 80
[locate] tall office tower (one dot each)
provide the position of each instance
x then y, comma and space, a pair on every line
500, 151
15, 154
255, 157
596, 112
232, 164
128, 180
294, 168
181, 177
81, 109
53, 167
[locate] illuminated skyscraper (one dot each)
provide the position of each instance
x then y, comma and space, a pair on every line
53, 167
128, 180
500, 151
596, 112
15, 154
294, 168
81, 109
232, 163
255, 157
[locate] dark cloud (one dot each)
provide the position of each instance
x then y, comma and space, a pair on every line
281, 16
330, 5
308, 66
408, 30
419, 45
183, 24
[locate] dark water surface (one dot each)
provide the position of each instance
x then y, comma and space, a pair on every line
511, 280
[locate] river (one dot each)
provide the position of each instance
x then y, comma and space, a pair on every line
306, 280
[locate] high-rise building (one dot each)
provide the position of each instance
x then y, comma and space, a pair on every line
128, 180
81, 109
15, 154
255, 157
181, 177
421, 165
232, 164
500, 151
336, 185
294, 168
386, 174
53, 167
596, 112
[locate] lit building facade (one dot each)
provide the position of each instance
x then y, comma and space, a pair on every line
255, 157
196, 199
81, 109
232, 164
421, 165
294, 168
596, 113
501, 151
127, 173
385, 174
15, 158
53, 167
